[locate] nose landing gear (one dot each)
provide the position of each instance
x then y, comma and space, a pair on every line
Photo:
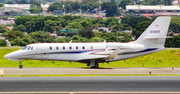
20, 66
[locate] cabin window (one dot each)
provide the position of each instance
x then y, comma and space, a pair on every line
76, 47
83, 47
91, 47
24, 48
70, 47
63, 48
50, 48
29, 47
57, 48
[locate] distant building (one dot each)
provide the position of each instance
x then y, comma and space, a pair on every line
140, 10
26, 6
108, 29
7, 22
7, 11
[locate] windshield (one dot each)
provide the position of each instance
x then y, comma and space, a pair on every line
24, 48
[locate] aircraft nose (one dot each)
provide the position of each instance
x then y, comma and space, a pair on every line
6, 56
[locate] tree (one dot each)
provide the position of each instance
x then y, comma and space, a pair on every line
110, 37
174, 25
2, 29
1, 5
167, 2
111, 21
2, 42
151, 2
24, 41
173, 42
20, 28
85, 23
96, 39
86, 32
102, 30
140, 28
77, 38
36, 7
9, 2
41, 36
127, 27
118, 27
124, 37
51, 26
125, 19
134, 21
30, 26
15, 35
123, 3
110, 7
74, 25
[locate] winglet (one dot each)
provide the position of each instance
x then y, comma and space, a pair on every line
113, 54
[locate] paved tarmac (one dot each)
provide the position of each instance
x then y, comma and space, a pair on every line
38, 71
160, 85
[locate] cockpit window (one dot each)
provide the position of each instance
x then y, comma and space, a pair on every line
24, 48
29, 47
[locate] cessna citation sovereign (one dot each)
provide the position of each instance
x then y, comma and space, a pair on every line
151, 41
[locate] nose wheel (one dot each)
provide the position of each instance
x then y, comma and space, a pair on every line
20, 66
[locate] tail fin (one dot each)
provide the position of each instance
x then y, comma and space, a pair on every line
156, 33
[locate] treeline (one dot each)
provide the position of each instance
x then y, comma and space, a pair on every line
81, 29
77, 29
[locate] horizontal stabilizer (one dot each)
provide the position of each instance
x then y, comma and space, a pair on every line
158, 37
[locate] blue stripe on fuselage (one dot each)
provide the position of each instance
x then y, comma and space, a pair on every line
80, 52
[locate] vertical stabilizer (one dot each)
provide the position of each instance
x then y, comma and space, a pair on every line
156, 33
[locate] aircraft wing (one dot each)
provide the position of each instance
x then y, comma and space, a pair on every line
106, 59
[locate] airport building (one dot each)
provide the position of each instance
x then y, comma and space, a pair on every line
140, 10
7, 11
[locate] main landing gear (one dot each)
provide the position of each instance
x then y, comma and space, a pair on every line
20, 66
93, 64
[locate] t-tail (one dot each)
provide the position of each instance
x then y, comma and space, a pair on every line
155, 34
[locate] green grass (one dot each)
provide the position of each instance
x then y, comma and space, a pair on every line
76, 75
166, 58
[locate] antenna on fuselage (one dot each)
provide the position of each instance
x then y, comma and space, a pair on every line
70, 41
104, 41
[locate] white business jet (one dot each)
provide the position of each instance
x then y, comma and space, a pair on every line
152, 40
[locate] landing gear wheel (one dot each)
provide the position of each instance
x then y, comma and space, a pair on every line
20, 66
96, 65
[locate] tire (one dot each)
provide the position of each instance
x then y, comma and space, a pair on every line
96, 65
20, 66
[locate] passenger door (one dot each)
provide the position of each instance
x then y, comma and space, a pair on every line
44, 52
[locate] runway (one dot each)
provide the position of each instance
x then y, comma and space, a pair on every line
160, 85
47, 71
